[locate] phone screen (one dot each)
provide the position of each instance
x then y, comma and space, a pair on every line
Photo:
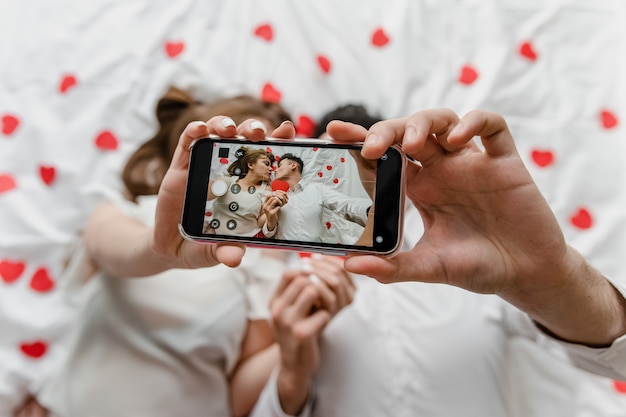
325, 196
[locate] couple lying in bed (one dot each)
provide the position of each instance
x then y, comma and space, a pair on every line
247, 203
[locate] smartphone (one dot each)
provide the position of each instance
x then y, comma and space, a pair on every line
319, 196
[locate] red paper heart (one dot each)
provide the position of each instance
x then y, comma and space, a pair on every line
582, 219
106, 141
7, 183
47, 174
270, 93
208, 213
10, 271
328, 225
315, 149
280, 185
336, 181
380, 38
174, 48
224, 161
41, 281
324, 63
620, 386
264, 31
329, 167
34, 349
542, 158
468, 75
527, 50
320, 174
343, 159
9, 124
67, 82
305, 126
609, 120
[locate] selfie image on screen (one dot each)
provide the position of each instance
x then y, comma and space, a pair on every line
318, 194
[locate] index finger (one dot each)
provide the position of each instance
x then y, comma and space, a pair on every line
492, 129
193, 131
413, 133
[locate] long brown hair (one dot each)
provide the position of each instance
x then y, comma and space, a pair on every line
146, 167
239, 167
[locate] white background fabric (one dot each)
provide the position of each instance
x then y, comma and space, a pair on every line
79, 82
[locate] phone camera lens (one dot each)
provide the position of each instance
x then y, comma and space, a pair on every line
379, 239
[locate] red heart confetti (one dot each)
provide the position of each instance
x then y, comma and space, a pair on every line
336, 181
10, 123
380, 38
106, 141
208, 213
305, 126
609, 120
329, 167
41, 281
67, 82
270, 93
328, 225
320, 174
324, 63
174, 48
7, 183
10, 271
343, 159
468, 75
224, 161
34, 349
264, 31
582, 219
542, 158
527, 50
620, 386
47, 174
315, 149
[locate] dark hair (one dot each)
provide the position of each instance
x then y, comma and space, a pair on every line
144, 171
353, 113
294, 158
248, 156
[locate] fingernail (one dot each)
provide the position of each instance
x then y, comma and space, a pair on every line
228, 122
198, 124
306, 265
256, 125
410, 133
314, 279
372, 139
286, 122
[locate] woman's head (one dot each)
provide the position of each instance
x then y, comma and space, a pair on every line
257, 162
145, 169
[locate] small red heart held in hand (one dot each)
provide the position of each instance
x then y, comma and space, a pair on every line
280, 185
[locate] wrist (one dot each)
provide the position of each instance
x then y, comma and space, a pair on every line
293, 391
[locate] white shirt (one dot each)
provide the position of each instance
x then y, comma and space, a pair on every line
238, 210
429, 350
161, 345
301, 218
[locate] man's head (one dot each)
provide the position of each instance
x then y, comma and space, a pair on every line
289, 166
353, 113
